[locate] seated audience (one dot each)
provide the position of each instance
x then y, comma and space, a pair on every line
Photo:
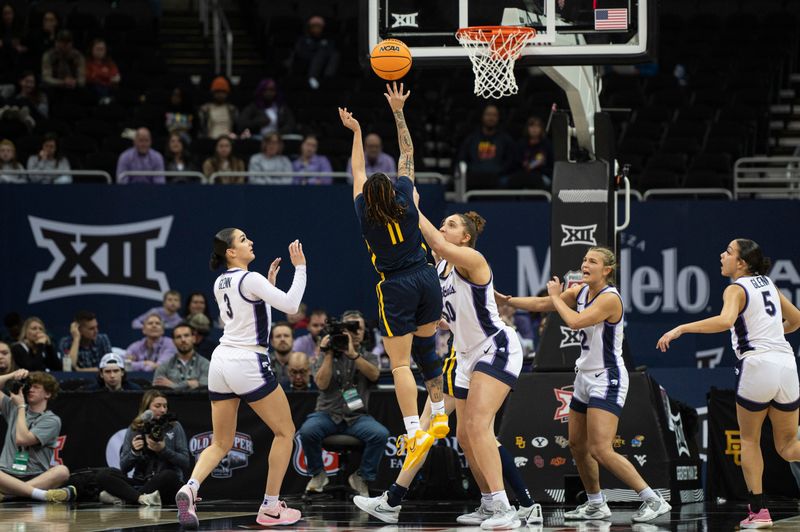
341, 369
310, 161
281, 343
63, 67
271, 159
309, 343
13, 326
35, 351
168, 312
49, 158
85, 345
218, 117
34, 428
159, 459
8, 161
374, 158
179, 117
536, 158
223, 160
43, 38
31, 102
299, 320
102, 74
186, 370
6, 359
12, 48
141, 157
196, 303
112, 376
177, 158
489, 149
203, 345
267, 113
299, 370
315, 55
152, 350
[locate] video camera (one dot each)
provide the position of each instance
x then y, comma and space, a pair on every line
337, 329
156, 428
24, 385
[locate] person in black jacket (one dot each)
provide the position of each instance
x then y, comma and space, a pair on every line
35, 350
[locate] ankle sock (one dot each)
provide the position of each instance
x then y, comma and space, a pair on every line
595, 498
437, 408
648, 494
270, 501
39, 495
412, 425
395, 494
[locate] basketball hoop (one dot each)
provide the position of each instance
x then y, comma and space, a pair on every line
493, 50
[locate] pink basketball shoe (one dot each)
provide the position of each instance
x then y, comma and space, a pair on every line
186, 500
278, 515
760, 520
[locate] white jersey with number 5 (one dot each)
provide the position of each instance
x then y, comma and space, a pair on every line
759, 327
601, 343
469, 309
245, 302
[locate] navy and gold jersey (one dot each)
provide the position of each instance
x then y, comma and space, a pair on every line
395, 247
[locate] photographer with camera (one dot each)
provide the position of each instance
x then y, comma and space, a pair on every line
31, 438
344, 372
155, 448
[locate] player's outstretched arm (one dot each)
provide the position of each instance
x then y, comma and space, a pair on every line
397, 99
357, 163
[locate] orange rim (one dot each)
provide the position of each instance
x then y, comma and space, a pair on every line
486, 33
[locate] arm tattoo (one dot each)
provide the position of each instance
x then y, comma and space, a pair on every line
403, 136
434, 387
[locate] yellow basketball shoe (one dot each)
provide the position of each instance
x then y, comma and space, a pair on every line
439, 428
416, 448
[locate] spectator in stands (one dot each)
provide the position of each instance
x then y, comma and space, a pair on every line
186, 370
8, 161
489, 150
299, 320
374, 158
281, 343
6, 359
112, 376
11, 46
141, 157
31, 98
271, 159
34, 429
102, 74
223, 160
177, 158
196, 303
344, 376
536, 158
179, 116
203, 345
309, 343
152, 350
315, 54
49, 158
310, 161
159, 465
43, 39
13, 325
267, 113
299, 370
168, 311
63, 67
35, 351
85, 345
218, 117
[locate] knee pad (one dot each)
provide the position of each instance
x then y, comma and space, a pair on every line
423, 351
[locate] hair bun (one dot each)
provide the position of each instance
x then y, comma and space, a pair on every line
477, 219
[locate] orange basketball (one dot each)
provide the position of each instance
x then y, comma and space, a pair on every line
390, 59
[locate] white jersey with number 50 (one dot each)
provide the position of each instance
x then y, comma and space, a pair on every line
759, 327
245, 302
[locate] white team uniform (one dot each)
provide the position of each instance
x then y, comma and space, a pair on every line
601, 380
766, 372
480, 338
240, 365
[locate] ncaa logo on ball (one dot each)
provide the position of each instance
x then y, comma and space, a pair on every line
390, 48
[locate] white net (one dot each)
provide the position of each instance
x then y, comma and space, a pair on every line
493, 50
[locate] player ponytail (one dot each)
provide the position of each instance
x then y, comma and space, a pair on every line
473, 226
751, 254
223, 240
609, 261
381, 205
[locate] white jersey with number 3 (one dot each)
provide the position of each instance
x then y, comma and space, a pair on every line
759, 327
601, 343
469, 309
245, 302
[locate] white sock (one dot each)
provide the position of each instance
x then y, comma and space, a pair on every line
194, 484
270, 501
486, 498
437, 407
412, 425
500, 496
595, 498
648, 494
39, 495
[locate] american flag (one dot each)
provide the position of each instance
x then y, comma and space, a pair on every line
611, 19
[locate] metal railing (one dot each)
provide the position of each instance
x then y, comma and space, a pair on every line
92, 173
507, 193
767, 177
688, 192
166, 173
223, 39
337, 177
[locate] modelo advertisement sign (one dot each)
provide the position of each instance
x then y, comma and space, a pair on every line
115, 250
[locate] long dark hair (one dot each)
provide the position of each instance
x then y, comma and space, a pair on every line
189, 298
381, 204
751, 254
223, 241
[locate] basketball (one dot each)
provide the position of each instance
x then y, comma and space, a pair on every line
390, 59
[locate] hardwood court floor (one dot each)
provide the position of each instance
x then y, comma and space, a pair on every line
334, 516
